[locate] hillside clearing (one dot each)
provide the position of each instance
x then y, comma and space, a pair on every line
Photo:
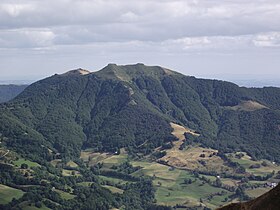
30, 164
248, 106
8, 193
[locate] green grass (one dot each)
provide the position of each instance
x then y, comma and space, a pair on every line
30, 164
65, 195
72, 164
170, 187
114, 160
8, 193
218, 201
66, 172
156, 170
113, 180
262, 171
55, 162
257, 192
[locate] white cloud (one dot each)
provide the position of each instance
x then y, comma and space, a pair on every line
267, 40
15, 10
26, 38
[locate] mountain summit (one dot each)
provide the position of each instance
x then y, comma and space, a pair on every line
78, 71
132, 106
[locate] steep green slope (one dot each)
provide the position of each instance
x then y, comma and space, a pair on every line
132, 106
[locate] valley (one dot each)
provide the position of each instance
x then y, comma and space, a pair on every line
193, 180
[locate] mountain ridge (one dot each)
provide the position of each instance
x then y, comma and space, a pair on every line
136, 129
90, 104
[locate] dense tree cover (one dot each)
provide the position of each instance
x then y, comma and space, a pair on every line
127, 107
8, 92
131, 106
41, 189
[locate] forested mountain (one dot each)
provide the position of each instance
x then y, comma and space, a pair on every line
7, 92
102, 140
128, 106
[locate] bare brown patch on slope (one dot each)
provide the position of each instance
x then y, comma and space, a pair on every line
179, 131
76, 72
191, 158
248, 106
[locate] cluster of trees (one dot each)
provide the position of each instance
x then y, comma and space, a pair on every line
126, 168
138, 193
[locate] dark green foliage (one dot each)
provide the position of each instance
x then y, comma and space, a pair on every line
128, 107
24, 166
126, 168
132, 106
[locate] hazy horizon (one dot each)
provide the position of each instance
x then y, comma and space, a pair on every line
247, 80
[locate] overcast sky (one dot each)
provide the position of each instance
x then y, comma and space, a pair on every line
210, 38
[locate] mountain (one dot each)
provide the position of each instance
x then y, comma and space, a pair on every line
137, 137
8, 92
128, 106
269, 200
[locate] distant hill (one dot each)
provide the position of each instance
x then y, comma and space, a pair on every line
8, 92
133, 105
270, 200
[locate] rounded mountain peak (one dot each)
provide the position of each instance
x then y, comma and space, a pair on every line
78, 71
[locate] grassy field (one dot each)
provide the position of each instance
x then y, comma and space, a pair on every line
191, 158
30, 164
107, 159
65, 195
8, 193
246, 162
257, 192
66, 172
113, 180
85, 184
72, 164
55, 162
114, 160
168, 180
170, 187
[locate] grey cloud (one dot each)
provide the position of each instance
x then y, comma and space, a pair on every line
165, 19
136, 31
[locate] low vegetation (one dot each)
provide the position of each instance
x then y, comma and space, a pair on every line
7, 194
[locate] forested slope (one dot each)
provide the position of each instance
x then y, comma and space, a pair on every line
129, 106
